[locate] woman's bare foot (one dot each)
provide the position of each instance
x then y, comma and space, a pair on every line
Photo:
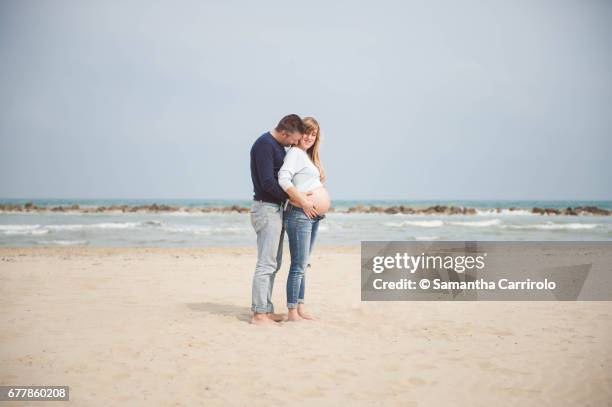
302, 313
293, 316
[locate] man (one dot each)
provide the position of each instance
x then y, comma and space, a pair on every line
267, 155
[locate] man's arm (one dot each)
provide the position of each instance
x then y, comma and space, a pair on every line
264, 159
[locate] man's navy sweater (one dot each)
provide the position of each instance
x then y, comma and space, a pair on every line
267, 157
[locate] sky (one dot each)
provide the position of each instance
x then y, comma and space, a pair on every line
417, 100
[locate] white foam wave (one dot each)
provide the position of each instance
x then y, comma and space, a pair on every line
418, 223
426, 238
152, 223
62, 242
12, 228
184, 213
505, 212
23, 230
553, 226
42, 230
204, 230
107, 225
200, 214
477, 223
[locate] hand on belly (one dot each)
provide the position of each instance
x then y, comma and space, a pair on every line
321, 200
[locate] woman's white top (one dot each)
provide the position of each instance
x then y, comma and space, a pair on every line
299, 171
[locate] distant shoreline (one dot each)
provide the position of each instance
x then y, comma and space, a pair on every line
390, 209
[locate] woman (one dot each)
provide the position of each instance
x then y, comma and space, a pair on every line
302, 176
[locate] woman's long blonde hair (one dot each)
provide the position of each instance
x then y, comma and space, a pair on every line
312, 126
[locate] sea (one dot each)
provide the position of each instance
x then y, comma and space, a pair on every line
188, 229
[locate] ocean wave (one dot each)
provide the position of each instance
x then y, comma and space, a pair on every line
204, 230
18, 227
62, 242
553, 226
179, 213
32, 230
106, 225
426, 238
42, 230
419, 223
505, 212
495, 223
152, 223
477, 223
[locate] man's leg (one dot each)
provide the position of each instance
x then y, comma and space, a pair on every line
266, 222
279, 262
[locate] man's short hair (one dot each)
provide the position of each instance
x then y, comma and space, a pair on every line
291, 124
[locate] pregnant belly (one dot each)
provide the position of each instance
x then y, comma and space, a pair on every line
321, 200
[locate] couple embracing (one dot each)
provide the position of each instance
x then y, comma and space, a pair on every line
289, 196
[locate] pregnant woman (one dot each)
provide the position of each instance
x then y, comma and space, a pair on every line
302, 176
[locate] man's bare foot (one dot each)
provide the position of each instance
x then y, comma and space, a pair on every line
262, 319
293, 316
302, 313
276, 317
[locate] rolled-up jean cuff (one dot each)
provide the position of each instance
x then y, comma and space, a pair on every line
261, 310
300, 301
292, 306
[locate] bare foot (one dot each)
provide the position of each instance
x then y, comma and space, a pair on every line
262, 319
293, 316
302, 313
307, 316
276, 317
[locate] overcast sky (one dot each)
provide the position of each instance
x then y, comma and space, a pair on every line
417, 100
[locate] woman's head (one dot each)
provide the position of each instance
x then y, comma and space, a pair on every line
310, 142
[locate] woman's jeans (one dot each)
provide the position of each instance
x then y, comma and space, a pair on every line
302, 232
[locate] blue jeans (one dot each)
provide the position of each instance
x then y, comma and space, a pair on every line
302, 232
267, 220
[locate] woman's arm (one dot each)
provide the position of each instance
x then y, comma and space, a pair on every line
294, 163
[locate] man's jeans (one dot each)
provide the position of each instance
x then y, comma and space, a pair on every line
302, 232
267, 220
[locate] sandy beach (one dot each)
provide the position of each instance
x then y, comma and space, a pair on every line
170, 327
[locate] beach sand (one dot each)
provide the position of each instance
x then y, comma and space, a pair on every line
170, 327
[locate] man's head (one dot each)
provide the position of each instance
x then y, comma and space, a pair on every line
290, 129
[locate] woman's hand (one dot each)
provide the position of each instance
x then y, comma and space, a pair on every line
309, 209
301, 201
308, 206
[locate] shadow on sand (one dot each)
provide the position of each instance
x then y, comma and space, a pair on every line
226, 310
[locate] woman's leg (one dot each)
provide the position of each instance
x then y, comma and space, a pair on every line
301, 311
313, 236
299, 230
